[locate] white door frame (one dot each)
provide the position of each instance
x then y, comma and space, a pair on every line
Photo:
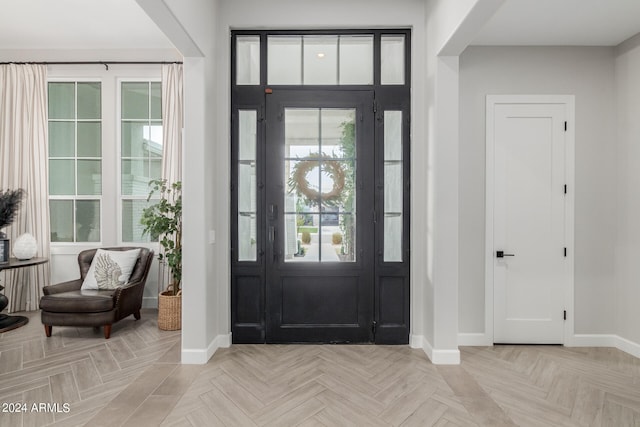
568, 292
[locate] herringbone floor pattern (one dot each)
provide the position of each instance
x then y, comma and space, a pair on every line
135, 379
75, 366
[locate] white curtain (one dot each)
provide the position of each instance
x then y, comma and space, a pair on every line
24, 164
172, 122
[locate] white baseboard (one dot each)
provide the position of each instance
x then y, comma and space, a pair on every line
202, 356
633, 348
592, 340
606, 340
415, 341
437, 357
479, 339
150, 302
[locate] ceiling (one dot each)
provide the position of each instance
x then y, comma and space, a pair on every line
122, 24
77, 24
562, 23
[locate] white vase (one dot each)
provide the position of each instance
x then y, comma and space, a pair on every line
25, 246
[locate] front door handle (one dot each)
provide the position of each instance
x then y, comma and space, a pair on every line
501, 254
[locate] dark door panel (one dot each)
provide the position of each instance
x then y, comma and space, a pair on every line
319, 195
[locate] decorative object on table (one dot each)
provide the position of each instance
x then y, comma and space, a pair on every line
25, 247
9, 204
163, 221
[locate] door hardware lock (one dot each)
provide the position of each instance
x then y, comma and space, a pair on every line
501, 254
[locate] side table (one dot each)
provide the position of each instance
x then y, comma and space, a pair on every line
7, 322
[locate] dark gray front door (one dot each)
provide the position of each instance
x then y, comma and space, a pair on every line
319, 216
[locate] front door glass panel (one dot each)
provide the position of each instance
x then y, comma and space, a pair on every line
320, 176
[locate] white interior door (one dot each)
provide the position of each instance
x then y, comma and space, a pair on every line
530, 269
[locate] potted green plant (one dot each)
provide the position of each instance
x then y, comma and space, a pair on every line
163, 221
9, 204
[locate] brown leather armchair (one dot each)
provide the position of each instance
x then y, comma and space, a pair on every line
65, 304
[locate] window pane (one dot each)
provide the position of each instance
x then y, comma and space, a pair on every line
153, 134
247, 226
155, 169
134, 139
302, 238
247, 187
338, 132
393, 186
247, 134
247, 243
135, 177
156, 100
87, 220
393, 135
248, 60
135, 100
61, 220
62, 177
392, 60
89, 104
303, 182
62, 101
284, 63
61, 139
131, 214
320, 60
392, 237
348, 228
302, 132
89, 177
356, 60
89, 139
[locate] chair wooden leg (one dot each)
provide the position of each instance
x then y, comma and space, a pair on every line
107, 331
47, 330
137, 314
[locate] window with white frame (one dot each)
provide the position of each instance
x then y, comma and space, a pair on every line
140, 152
75, 161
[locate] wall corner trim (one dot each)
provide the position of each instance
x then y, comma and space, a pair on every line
437, 356
197, 356
416, 341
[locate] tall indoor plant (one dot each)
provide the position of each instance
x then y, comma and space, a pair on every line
163, 221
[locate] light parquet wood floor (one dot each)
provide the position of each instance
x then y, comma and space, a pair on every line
135, 379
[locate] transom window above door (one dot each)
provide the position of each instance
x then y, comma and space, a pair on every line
321, 59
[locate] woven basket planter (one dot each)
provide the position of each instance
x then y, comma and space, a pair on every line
169, 311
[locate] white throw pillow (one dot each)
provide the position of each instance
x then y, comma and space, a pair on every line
110, 269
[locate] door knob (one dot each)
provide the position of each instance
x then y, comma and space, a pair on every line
501, 254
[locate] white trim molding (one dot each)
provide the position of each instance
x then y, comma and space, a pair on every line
569, 102
202, 356
606, 340
415, 341
437, 356
479, 339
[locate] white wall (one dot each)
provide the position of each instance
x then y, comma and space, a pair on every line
205, 323
450, 26
627, 251
588, 73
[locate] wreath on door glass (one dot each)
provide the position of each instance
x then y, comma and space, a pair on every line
300, 183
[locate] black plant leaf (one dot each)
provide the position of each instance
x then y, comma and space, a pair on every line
9, 204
